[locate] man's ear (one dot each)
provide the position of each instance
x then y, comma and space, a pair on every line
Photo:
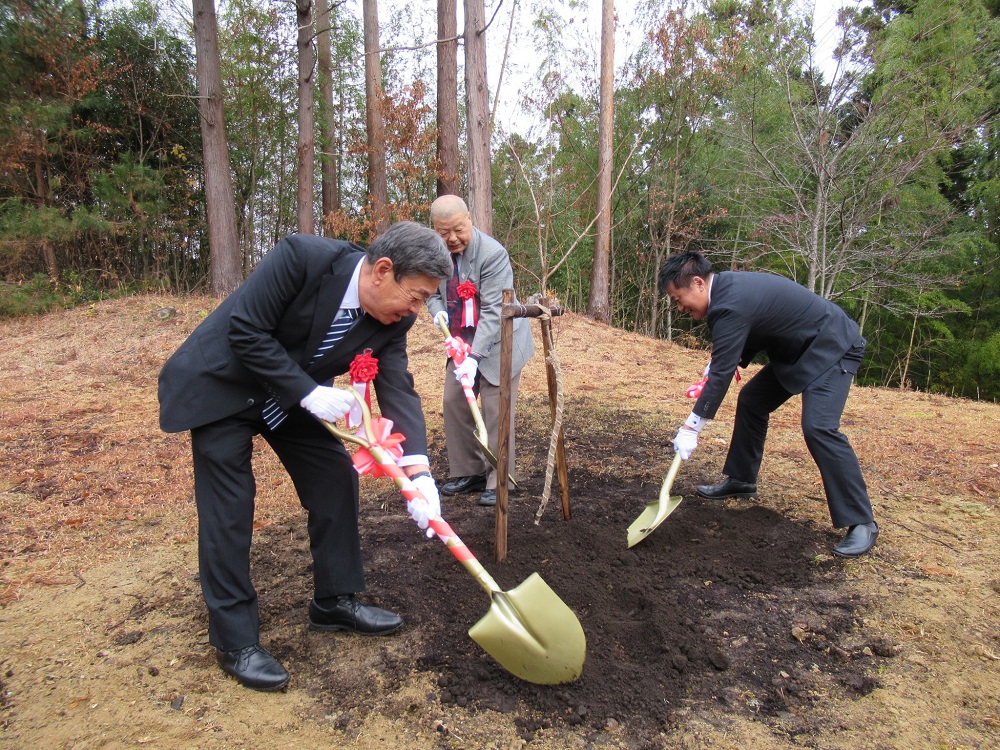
382, 271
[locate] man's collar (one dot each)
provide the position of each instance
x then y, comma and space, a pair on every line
351, 298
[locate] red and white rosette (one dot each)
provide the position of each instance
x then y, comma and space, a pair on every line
467, 293
363, 370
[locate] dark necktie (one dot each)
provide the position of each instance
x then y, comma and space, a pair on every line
273, 414
453, 303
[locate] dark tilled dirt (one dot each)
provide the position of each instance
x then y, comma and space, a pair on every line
730, 604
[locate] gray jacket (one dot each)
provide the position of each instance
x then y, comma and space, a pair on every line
486, 264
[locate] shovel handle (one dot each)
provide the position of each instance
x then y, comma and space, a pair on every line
481, 435
441, 528
668, 481
470, 395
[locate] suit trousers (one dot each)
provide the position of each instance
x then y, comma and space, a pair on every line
465, 458
823, 403
327, 485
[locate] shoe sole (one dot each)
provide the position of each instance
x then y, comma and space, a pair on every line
852, 556
744, 495
260, 688
333, 628
467, 491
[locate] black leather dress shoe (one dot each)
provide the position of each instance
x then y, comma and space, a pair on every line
859, 540
729, 488
462, 485
253, 667
489, 497
348, 613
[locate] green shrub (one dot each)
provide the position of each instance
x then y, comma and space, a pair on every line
33, 297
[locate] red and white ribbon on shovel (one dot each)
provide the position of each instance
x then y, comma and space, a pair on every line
694, 390
378, 450
458, 350
529, 630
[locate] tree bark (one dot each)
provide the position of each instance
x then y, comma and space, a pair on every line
306, 154
478, 117
378, 190
224, 248
329, 154
448, 182
598, 306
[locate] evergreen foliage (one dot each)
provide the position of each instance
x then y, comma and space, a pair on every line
875, 182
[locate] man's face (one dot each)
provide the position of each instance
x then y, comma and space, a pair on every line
456, 231
692, 300
388, 300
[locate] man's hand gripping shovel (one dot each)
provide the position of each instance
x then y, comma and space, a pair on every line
529, 630
458, 350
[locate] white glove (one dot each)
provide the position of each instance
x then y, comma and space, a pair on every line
468, 368
328, 403
423, 510
685, 442
441, 319
705, 374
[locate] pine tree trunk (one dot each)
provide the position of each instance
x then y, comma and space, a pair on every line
306, 154
598, 306
378, 190
448, 182
329, 156
478, 117
224, 247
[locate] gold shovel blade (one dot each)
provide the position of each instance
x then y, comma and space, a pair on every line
650, 518
655, 512
532, 634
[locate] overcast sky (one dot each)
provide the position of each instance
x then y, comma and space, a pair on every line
520, 62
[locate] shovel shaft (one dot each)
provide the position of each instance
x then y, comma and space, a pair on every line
458, 350
529, 631
470, 396
441, 527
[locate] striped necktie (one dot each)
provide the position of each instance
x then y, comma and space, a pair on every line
273, 414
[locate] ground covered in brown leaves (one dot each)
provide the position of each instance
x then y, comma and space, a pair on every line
729, 626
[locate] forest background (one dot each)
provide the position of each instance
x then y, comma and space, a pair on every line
873, 180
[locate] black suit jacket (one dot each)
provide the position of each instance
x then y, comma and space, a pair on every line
259, 341
802, 333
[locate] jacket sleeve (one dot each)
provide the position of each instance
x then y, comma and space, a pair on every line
495, 275
729, 335
397, 397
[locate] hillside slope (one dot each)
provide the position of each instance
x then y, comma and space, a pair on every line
102, 640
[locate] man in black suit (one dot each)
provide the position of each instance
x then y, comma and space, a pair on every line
813, 348
262, 363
